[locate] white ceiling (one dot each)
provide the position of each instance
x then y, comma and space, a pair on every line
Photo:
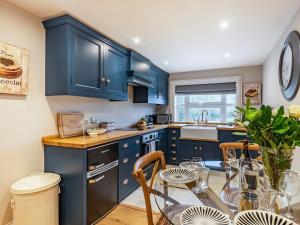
186, 33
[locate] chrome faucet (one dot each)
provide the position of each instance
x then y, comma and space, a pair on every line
202, 113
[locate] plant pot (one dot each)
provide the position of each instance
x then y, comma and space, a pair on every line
275, 162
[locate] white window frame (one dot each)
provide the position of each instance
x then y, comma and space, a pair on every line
174, 83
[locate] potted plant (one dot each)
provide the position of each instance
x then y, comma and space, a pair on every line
277, 133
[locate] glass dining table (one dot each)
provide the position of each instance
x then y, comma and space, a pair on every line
172, 199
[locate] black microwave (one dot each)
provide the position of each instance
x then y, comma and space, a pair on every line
162, 118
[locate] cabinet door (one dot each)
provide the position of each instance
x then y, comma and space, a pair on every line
210, 151
162, 88
87, 63
162, 136
115, 73
187, 150
153, 91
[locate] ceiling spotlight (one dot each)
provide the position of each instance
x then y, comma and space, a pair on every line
166, 62
227, 55
136, 40
224, 25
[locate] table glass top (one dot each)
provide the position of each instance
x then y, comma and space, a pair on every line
173, 199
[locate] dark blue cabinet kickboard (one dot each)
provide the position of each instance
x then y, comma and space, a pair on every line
83, 62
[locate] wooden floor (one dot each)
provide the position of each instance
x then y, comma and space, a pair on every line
127, 215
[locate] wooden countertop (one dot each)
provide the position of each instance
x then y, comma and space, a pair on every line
80, 143
233, 128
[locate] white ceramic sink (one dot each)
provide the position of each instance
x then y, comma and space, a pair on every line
199, 132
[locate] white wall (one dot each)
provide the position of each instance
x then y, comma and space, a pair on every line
24, 120
271, 92
249, 74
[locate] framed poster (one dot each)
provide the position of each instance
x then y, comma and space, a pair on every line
13, 69
69, 124
253, 92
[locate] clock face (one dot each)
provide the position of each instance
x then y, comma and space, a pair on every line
287, 67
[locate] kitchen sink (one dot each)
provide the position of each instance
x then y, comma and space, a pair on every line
199, 132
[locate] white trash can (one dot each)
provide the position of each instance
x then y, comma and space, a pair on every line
35, 199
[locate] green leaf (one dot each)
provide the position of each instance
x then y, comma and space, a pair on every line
281, 131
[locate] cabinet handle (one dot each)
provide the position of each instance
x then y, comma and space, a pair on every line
102, 79
104, 151
137, 141
174, 152
173, 131
195, 148
173, 145
137, 155
108, 81
173, 138
173, 158
125, 160
200, 148
93, 181
125, 145
125, 182
96, 167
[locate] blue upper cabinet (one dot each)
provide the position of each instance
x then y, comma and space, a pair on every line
86, 64
157, 93
82, 62
139, 70
115, 73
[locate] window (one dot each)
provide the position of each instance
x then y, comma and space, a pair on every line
218, 99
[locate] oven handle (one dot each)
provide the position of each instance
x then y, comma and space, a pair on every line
148, 142
94, 181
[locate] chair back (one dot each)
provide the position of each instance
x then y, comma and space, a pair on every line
237, 145
157, 159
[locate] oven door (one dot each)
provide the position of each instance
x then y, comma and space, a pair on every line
150, 146
102, 193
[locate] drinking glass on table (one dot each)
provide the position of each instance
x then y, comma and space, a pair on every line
198, 160
202, 180
231, 161
289, 187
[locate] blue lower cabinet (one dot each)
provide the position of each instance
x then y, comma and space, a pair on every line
229, 136
187, 150
208, 151
71, 165
130, 150
162, 144
173, 135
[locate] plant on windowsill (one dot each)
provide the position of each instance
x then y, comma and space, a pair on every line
278, 135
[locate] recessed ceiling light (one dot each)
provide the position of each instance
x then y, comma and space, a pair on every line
166, 62
136, 40
227, 55
224, 25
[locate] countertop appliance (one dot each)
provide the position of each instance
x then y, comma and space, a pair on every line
162, 118
102, 177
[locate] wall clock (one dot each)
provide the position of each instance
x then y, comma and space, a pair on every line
289, 66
